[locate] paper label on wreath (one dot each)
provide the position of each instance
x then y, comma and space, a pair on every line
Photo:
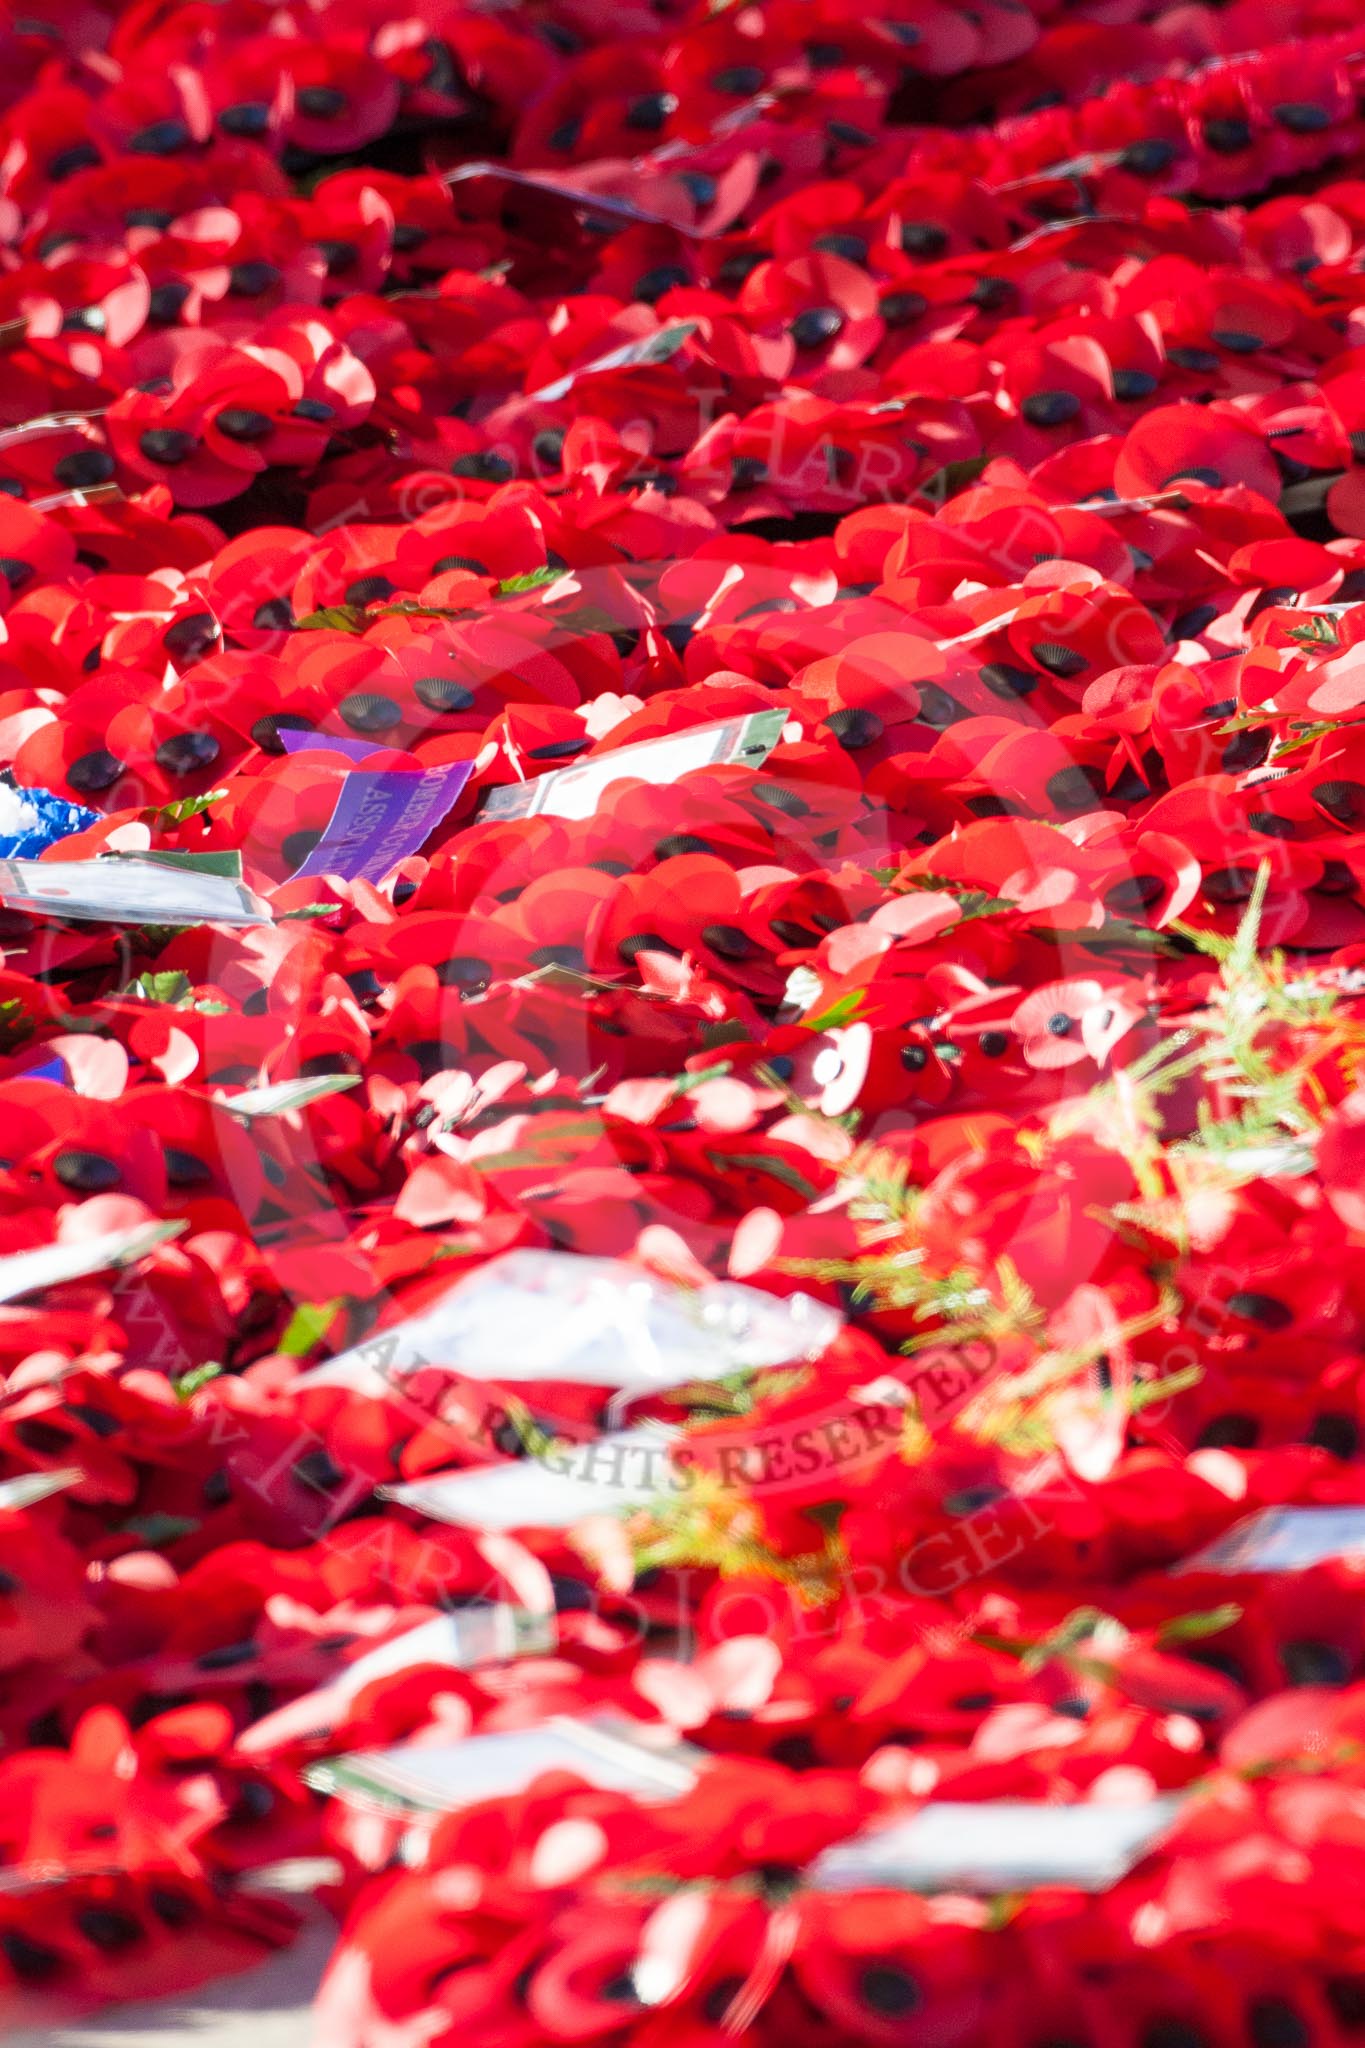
499, 1766
49, 1265
277, 1098
128, 892
47, 423
29, 1487
997, 1846
576, 792
543, 1315
659, 347
611, 205
227, 861
569, 981
382, 816
607, 1475
461, 1641
21, 1880
1284, 1540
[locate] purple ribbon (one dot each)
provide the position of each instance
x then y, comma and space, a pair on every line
381, 816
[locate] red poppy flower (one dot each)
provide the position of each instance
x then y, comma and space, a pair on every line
821, 312
1200, 446
342, 99
1015, 467
865, 1966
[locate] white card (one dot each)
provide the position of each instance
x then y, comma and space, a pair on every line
461, 1640
608, 1475
608, 205
47, 423
28, 1487
19, 1879
51, 1264
277, 1098
654, 348
996, 1846
541, 1315
499, 1766
1283, 1540
129, 892
576, 792
292, 1877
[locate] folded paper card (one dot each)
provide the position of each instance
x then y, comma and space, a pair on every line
278, 1098
543, 1315
997, 1846
576, 792
27, 1488
553, 190
49, 1265
128, 891
1283, 1540
658, 347
444, 1777
488, 1633
607, 1475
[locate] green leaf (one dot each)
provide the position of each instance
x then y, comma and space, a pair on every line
978, 903
730, 1032
763, 1162
658, 1883
15, 1023
190, 1382
1299, 500
1241, 960
1305, 732
226, 860
1191, 1628
534, 579
685, 1083
1121, 931
335, 618
308, 910
1077, 1628
953, 477
843, 1010
409, 608
510, 1162
971, 902
156, 1529
1315, 632
185, 808
1008, 1646
1146, 1393
168, 986
308, 1326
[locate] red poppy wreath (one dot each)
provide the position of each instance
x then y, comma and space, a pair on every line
682, 1027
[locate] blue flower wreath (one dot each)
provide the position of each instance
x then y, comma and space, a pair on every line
31, 820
